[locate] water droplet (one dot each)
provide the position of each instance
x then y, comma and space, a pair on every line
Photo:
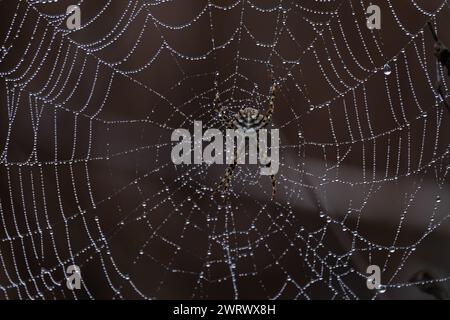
382, 289
387, 69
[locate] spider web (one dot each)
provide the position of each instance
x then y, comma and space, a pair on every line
86, 175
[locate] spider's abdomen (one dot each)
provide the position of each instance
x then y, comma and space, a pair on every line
249, 119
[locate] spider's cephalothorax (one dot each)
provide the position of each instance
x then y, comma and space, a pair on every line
247, 119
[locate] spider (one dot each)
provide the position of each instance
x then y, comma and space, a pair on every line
246, 119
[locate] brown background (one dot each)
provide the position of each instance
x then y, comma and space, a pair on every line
111, 190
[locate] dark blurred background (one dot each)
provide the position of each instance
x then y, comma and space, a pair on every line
86, 176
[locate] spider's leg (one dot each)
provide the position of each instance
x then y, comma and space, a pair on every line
230, 124
270, 109
224, 183
218, 104
273, 178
